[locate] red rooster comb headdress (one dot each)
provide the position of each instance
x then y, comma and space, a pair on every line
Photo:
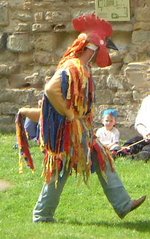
97, 31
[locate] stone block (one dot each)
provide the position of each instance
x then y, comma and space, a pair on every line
7, 56
52, 4
4, 83
142, 14
136, 96
4, 19
128, 58
46, 42
100, 71
136, 77
139, 37
18, 80
61, 27
34, 80
82, 4
19, 42
115, 57
25, 58
124, 96
142, 66
8, 108
100, 81
27, 5
115, 68
57, 16
23, 27
104, 96
115, 82
77, 11
131, 112
137, 74
3, 41
21, 16
141, 26
18, 97
122, 39
45, 58
6, 70
118, 101
15, 3
39, 17
122, 27
41, 27
140, 3
5, 120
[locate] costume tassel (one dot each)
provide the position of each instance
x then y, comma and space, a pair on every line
24, 152
100, 156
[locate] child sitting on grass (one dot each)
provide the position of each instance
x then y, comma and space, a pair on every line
109, 135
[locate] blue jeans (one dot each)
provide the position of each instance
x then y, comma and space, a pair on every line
114, 190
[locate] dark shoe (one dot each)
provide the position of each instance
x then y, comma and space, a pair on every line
137, 203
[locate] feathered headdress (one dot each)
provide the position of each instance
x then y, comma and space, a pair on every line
97, 31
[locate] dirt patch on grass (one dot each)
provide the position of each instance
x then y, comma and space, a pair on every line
4, 185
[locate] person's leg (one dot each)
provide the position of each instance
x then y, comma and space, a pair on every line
113, 188
49, 199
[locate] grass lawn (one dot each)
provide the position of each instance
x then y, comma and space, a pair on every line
82, 213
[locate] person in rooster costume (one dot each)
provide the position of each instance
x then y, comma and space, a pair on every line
66, 121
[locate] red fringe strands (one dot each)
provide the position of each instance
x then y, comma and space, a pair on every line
74, 50
100, 156
24, 152
103, 154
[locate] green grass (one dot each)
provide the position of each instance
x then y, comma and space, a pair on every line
82, 213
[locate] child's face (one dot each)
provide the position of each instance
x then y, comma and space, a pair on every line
109, 121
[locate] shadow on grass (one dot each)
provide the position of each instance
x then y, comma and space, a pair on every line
141, 226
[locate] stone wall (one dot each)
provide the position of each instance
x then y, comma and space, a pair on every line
35, 33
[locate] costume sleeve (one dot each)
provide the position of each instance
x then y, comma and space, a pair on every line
53, 90
142, 122
32, 113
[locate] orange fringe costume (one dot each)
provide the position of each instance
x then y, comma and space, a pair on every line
69, 143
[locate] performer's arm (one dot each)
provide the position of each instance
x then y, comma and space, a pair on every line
31, 113
54, 94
